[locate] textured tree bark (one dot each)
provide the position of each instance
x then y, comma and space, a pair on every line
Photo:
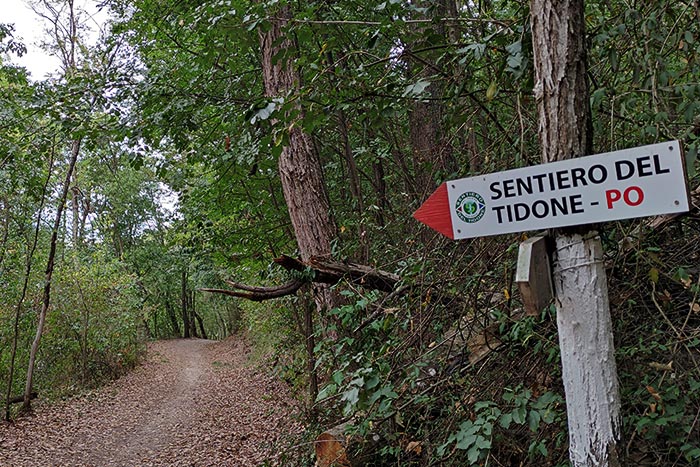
583, 311
299, 164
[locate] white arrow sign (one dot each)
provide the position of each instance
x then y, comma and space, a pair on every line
636, 182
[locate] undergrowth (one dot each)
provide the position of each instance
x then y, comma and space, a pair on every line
411, 383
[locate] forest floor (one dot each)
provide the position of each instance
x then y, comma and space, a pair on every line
192, 402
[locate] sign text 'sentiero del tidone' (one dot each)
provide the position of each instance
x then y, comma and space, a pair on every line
637, 182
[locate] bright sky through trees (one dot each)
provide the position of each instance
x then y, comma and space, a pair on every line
29, 28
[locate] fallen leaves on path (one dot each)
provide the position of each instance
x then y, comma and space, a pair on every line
191, 403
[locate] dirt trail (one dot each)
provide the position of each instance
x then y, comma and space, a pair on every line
191, 403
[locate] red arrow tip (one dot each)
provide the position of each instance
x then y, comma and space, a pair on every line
435, 212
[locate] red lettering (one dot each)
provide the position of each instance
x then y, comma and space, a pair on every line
640, 196
612, 196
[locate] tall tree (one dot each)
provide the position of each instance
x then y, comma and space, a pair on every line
67, 41
300, 168
583, 311
50, 263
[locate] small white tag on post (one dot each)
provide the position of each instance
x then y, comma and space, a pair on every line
533, 275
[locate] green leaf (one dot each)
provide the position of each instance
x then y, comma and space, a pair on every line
491, 91
688, 36
533, 418
417, 88
476, 49
519, 415
506, 420
326, 392
654, 275
352, 396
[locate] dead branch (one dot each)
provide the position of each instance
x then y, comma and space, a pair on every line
20, 399
329, 271
258, 294
324, 270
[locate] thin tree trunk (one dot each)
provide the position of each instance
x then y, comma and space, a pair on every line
75, 200
83, 217
192, 314
310, 353
583, 311
75, 150
84, 334
5, 230
25, 285
222, 324
355, 187
170, 310
186, 328
200, 321
381, 190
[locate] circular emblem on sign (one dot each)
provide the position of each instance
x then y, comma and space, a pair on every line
470, 207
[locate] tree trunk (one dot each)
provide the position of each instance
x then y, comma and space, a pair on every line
194, 317
299, 165
583, 311
5, 230
75, 221
25, 285
310, 352
172, 314
355, 187
200, 323
431, 149
75, 149
186, 327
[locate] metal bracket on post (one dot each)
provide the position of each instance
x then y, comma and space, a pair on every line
533, 274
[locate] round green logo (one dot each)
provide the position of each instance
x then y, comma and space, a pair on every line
470, 207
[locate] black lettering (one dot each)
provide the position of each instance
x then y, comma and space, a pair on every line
524, 185
657, 166
508, 188
510, 213
552, 185
498, 210
544, 211
576, 204
578, 175
563, 180
538, 178
602, 175
624, 169
494, 189
560, 205
522, 211
644, 166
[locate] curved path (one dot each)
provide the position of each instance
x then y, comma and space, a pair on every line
191, 403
